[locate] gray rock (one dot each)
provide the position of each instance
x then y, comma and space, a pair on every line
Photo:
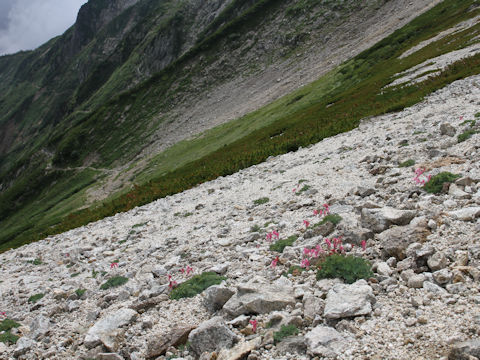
109, 356
212, 335
467, 350
321, 230
447, 129
457, 193
349, 300
159, 343
259, 299
433, 288
240, 351
395, 241
442, 277
416, 281
384, 269
437, 261
23, 346
379, 220
312, 306
159, 271
107, 330
457, 288
39, 327
220, 268
292, 345
466, 214
326, 342
216, 296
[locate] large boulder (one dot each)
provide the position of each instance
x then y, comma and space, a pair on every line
107, 331
349, 300
257, 298
379, 220
395, 241
326, 342
216, 296
466, 350
158, 344
212, 335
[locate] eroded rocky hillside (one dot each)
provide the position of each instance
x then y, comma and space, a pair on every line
421, 301
82, 116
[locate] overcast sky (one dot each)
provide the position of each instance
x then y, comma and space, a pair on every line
27, 24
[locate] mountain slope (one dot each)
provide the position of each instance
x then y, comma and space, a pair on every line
115, 140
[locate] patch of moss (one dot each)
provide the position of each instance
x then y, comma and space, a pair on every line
281, 244
114, 282
285, 331
435, 185
303, 189
80, 292
466, 135
261, 201
8, 324
34, 298
8, 338
349, 268
196, 285
333, 218
407, 163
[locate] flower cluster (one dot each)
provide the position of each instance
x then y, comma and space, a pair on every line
420, 177
323, 212
254, 324
274, 262
113, 265
335, 246
186, 270
272, 235
3, 314
171, 283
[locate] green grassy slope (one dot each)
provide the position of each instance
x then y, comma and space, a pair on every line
333, 104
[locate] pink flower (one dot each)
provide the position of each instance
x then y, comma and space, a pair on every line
364, 245
275, 234
269, 237
274, 262
113, 265
294, 189
3, 313
306, 251
189, 270
315, 212
461, 118
306, 223
171, 283
305, 263
329, 244
327, 208
254, 324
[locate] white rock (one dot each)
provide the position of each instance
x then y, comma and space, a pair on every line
349, 300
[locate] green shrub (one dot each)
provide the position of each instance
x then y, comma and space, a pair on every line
255, 228
281, 244
333, 218
8, 324
114, 282
349, 268
407, 163
285, 331
294, 270
261, 201
466, 135
8, 338
196, 285
303, 189
80, 292
34, 298
435, 185
35, 262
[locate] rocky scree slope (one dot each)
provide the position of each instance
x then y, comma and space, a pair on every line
64, 121
422, 300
